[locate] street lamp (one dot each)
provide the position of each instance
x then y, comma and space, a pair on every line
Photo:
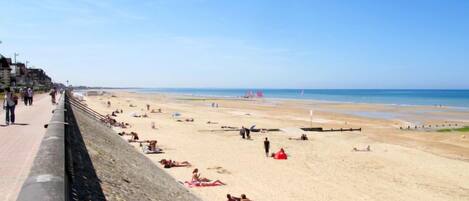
16, 54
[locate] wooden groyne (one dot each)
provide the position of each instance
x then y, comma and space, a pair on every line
320, 129
432, 127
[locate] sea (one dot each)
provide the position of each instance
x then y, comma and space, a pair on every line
411, 97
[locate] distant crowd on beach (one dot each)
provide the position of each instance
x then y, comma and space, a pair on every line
150, 146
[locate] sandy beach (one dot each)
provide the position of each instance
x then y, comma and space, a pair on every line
402, 164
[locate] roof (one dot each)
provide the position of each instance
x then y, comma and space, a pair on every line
5, 63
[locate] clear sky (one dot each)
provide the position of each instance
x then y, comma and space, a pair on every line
242, 43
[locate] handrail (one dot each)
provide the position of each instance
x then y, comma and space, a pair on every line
47, 179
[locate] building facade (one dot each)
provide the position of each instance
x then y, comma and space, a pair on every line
5, 71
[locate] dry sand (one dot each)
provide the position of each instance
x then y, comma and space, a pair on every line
403, 165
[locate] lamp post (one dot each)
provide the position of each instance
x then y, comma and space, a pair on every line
15, 55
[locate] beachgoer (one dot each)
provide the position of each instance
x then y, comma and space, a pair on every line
152, 145
108, 103
280, 155
242, 132
244, 198
248, 133
367, 149
53, 94
30, 94
153, 126
134, 136
170, 163
148, 106
9, 103
196, 176
266, 147
232, 198
24, 95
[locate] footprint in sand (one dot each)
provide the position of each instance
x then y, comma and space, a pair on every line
219, 170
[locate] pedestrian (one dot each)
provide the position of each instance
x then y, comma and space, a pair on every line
52, 94
266, 147
9, 103
24, 94
248, 133
30, 94
148, 107
242, 132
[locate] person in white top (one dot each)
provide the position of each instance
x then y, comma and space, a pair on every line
9, 104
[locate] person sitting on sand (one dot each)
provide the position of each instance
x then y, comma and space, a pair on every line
303, 137
170, 163
196, 176
152, 145
232, 198
189, 120
367, 149
145, 115
134, 136
280, 155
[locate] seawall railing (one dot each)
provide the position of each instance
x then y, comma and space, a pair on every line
48, 179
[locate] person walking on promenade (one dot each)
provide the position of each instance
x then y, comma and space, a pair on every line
30, 94
52, 94
266, 147
24, 95
9, 104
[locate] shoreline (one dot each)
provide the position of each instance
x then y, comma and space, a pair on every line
311, 100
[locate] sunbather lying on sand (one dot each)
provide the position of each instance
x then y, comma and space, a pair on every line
170, 163
211, 122
134, 135
155, 111
244, 198
232, 198
203, 184
303, 137
229, 127
367, 149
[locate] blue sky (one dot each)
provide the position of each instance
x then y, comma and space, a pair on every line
242, 43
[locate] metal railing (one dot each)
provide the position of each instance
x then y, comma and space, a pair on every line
47, 179
71, 101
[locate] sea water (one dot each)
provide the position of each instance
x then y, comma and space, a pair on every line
452, 98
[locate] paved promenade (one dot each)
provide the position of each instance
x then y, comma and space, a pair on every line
19, 144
